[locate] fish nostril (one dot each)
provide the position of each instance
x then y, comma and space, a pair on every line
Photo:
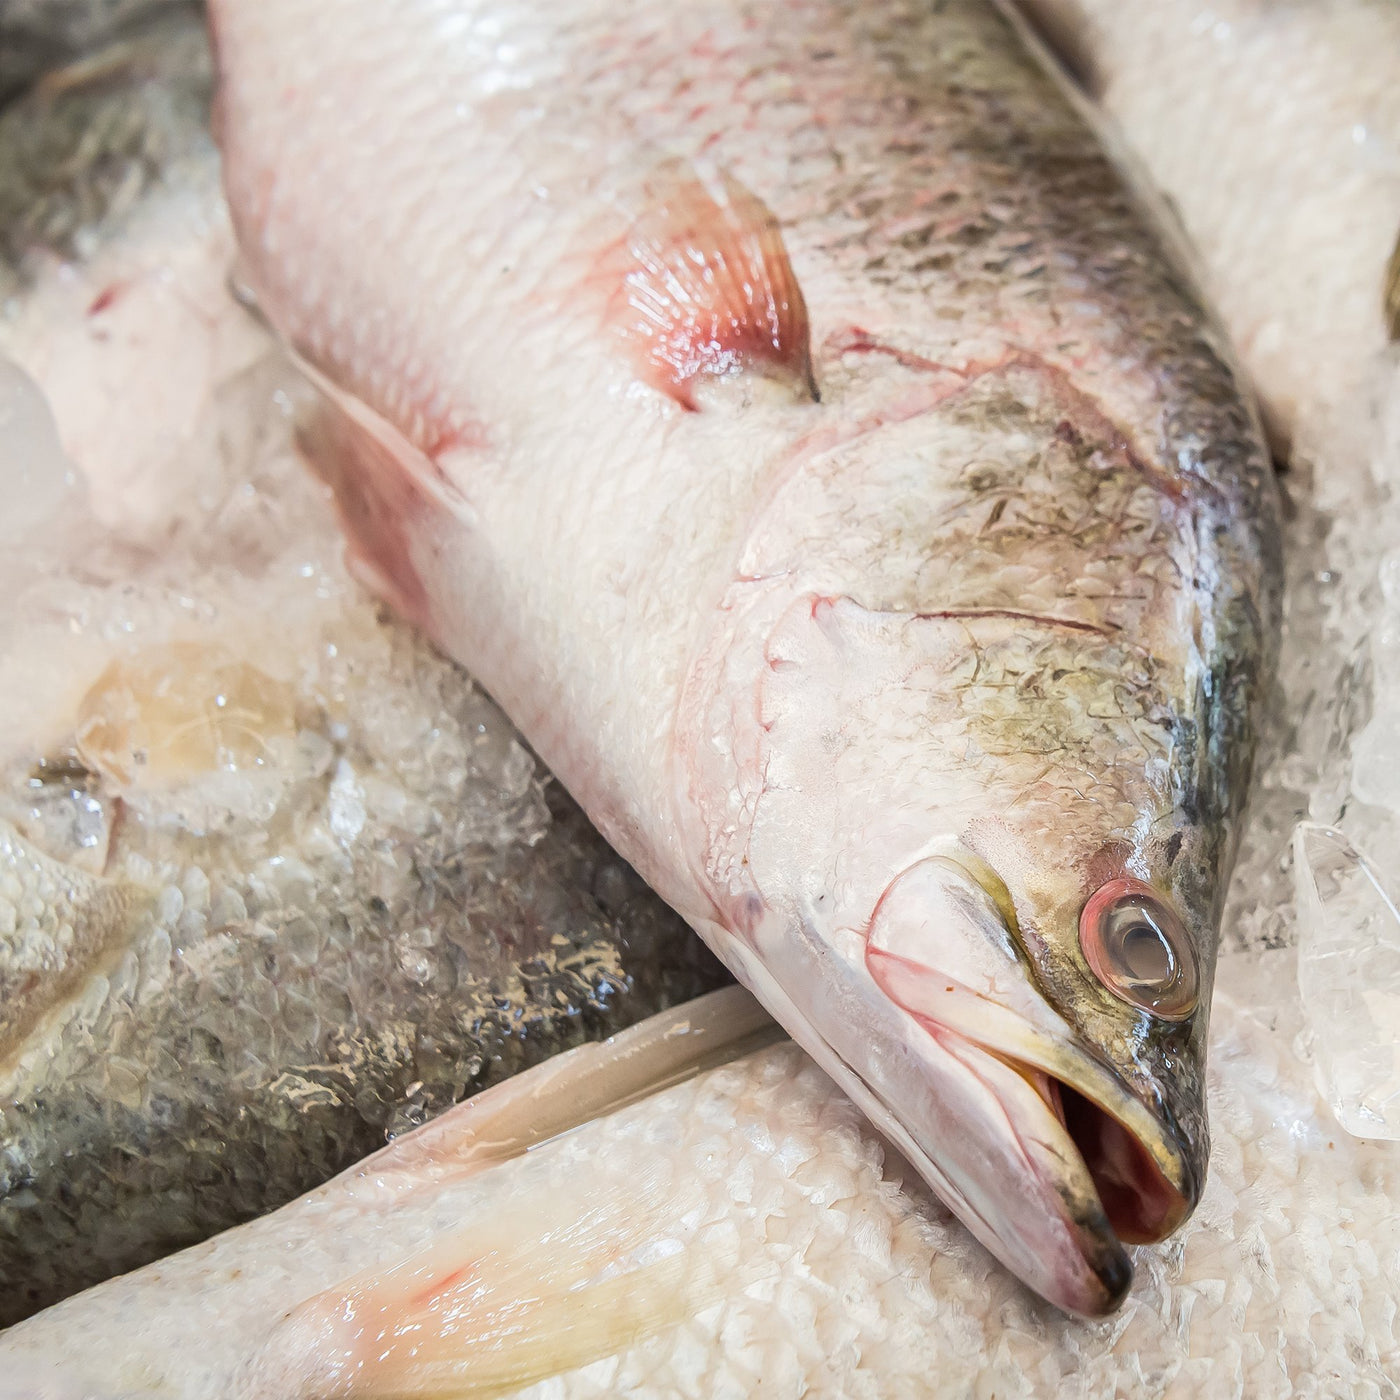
1136, 946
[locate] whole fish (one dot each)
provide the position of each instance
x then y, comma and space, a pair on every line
790, 418
1275, 132
266, 895
744, 1232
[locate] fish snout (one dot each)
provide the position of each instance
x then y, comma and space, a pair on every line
1058, 1162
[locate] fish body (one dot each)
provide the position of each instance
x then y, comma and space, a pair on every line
745, 1229
792, 421
266, 896
1275, 132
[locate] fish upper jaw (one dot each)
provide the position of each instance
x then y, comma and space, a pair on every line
1042, 1150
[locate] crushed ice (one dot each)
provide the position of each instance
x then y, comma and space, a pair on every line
356, 897
1340, 677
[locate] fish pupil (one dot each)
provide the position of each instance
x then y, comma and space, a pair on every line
1145, 956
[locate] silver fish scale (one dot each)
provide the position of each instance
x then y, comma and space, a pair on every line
259, 1025
53, 919
219, 1009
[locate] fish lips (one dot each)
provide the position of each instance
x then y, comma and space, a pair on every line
1086, 1168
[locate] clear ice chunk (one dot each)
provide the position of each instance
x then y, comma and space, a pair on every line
1349, 979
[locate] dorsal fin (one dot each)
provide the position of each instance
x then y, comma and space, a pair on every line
708, 289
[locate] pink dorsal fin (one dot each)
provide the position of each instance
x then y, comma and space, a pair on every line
708, 289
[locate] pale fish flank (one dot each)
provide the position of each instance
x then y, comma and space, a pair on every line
745, 1232
790, 418
276, 878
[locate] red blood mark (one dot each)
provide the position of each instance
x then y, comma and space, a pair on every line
856, 341
1108, 863
440, 439
428, 1295
1084, 420
707, 289
106, 298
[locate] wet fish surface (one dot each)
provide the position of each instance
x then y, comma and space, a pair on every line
270, 892
745, 1230
1275, 132
793, 422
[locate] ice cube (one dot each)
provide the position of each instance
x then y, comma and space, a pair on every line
1349, 979
1375, 774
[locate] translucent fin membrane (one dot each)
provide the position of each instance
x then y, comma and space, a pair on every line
709, 290
551, 1281
555, 1285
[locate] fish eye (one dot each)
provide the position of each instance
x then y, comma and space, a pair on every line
1137, 947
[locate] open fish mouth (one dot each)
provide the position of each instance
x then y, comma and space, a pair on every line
1142, 1201
1097, 1167
1056, 1154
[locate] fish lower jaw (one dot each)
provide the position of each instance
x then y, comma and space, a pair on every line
1114, 1193
1035, 1207
1140, 1202
1046, 1218
1139, 1173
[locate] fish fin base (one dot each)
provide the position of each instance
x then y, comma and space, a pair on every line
384, 486
708, 291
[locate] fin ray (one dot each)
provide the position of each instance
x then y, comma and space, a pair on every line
543, 1284
708, 289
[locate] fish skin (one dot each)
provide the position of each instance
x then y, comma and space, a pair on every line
1275, 132
605, 1198
225, 1017
845, 1278
1008, 366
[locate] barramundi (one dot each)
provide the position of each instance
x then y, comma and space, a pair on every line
791, 418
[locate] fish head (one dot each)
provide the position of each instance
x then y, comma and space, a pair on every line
1058, 1017
1018, 999
1010, 852
1032, 1034
1084, 969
